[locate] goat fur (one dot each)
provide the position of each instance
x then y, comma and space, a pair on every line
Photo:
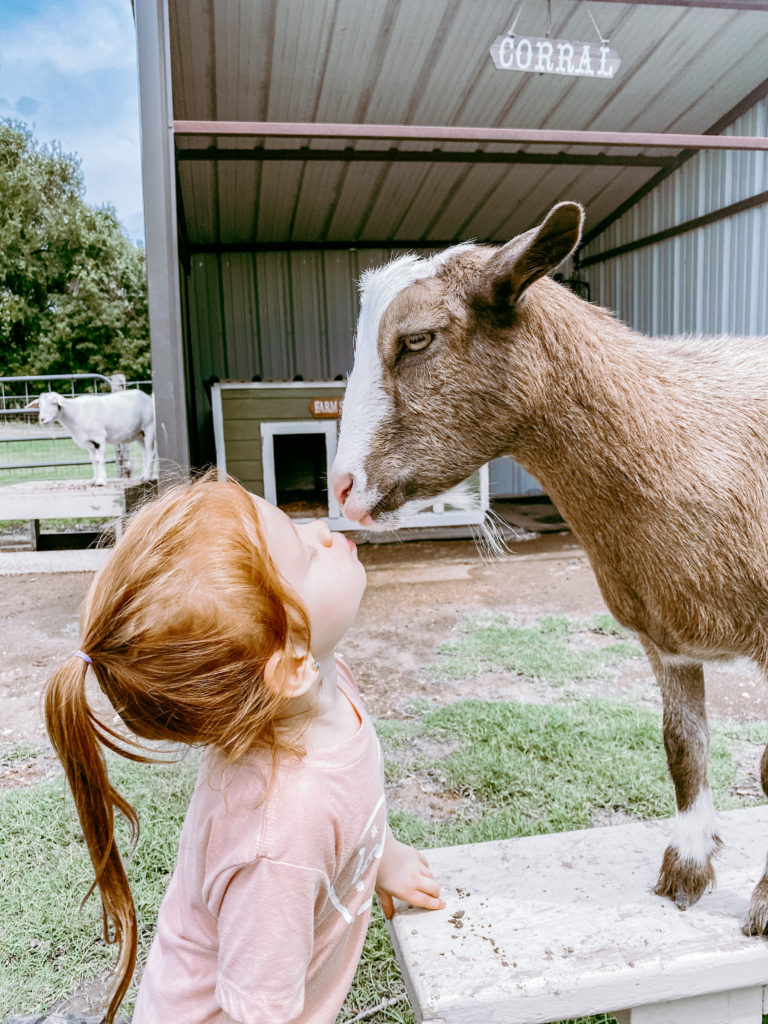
655, 451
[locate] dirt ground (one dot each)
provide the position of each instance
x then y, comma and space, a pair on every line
417, 593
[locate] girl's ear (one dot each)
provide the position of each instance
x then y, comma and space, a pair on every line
290, 675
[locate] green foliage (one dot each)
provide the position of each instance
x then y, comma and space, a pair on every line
545, 650
72, 285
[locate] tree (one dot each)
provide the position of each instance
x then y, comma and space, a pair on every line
72, 284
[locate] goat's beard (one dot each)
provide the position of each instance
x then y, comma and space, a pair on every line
403, 500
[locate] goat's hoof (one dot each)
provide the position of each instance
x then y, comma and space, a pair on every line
756, 922
684, 880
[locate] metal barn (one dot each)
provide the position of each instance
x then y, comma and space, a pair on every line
289, 145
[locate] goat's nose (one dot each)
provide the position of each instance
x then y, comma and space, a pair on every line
342, 484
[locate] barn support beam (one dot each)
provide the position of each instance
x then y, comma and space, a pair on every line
446, 133
160, 220
432, 156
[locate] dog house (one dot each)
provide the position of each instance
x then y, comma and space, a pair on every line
279, 440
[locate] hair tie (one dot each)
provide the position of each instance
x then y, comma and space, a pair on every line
86, 659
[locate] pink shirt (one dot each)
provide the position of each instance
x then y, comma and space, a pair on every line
267, 910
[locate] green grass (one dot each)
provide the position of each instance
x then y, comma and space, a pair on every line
521, 769
48, 945
547, 649
16, 454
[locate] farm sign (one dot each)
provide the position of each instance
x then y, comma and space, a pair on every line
326, 408
554, 57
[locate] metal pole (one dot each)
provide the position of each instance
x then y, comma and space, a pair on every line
163, 288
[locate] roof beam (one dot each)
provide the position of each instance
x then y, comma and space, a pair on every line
447, 133
388, 244
437, 156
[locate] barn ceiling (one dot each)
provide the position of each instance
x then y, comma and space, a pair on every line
685, 69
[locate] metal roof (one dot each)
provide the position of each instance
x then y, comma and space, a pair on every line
427, 62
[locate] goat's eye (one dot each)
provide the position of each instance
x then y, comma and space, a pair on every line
416, 342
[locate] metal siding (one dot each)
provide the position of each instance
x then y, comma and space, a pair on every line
274, 314
240, 315
308, 303
508, 480
707, 281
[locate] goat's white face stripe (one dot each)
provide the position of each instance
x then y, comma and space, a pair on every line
366, 404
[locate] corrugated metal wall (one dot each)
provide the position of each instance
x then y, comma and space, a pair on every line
278, 314
272, 315
711, 280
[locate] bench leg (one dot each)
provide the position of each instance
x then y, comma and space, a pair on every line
737, 1006
34, 533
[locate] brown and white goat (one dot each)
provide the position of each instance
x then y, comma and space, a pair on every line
655, 450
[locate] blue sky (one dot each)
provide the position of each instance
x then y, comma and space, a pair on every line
68, 69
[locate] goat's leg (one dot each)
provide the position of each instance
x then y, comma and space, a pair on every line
149, 450
97, 451
141, 441
756, 922
686, 870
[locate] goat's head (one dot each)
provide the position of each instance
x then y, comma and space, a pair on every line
49, 406
421, 399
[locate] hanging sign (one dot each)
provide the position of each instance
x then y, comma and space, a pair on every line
554, 57
326, 408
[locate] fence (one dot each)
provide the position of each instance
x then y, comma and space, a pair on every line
32, 451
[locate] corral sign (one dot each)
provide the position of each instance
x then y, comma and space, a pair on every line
554, 57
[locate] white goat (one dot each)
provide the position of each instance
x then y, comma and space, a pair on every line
97, 420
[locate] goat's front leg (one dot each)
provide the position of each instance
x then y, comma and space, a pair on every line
686, 870
98, 453
756, 922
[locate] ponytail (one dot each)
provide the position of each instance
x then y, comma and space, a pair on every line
77, 736
178, 626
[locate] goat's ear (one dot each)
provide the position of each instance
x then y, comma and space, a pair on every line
528, 257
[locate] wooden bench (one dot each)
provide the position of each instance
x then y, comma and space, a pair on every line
550, 927
71, 499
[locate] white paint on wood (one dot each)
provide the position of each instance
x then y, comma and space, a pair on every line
737, 1006
544, 928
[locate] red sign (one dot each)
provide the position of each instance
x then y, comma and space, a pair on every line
326, 408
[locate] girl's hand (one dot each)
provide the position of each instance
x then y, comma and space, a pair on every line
404, 874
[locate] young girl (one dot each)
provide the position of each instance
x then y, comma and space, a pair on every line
214, 622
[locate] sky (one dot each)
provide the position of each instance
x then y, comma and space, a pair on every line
68, 70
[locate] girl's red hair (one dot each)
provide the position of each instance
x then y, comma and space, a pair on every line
180, 624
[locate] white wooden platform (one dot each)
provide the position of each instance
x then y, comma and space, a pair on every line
63, 499
545, 928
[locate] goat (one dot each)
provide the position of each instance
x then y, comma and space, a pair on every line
655, 451
97, 420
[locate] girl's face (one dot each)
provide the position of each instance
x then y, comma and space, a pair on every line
321, 567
